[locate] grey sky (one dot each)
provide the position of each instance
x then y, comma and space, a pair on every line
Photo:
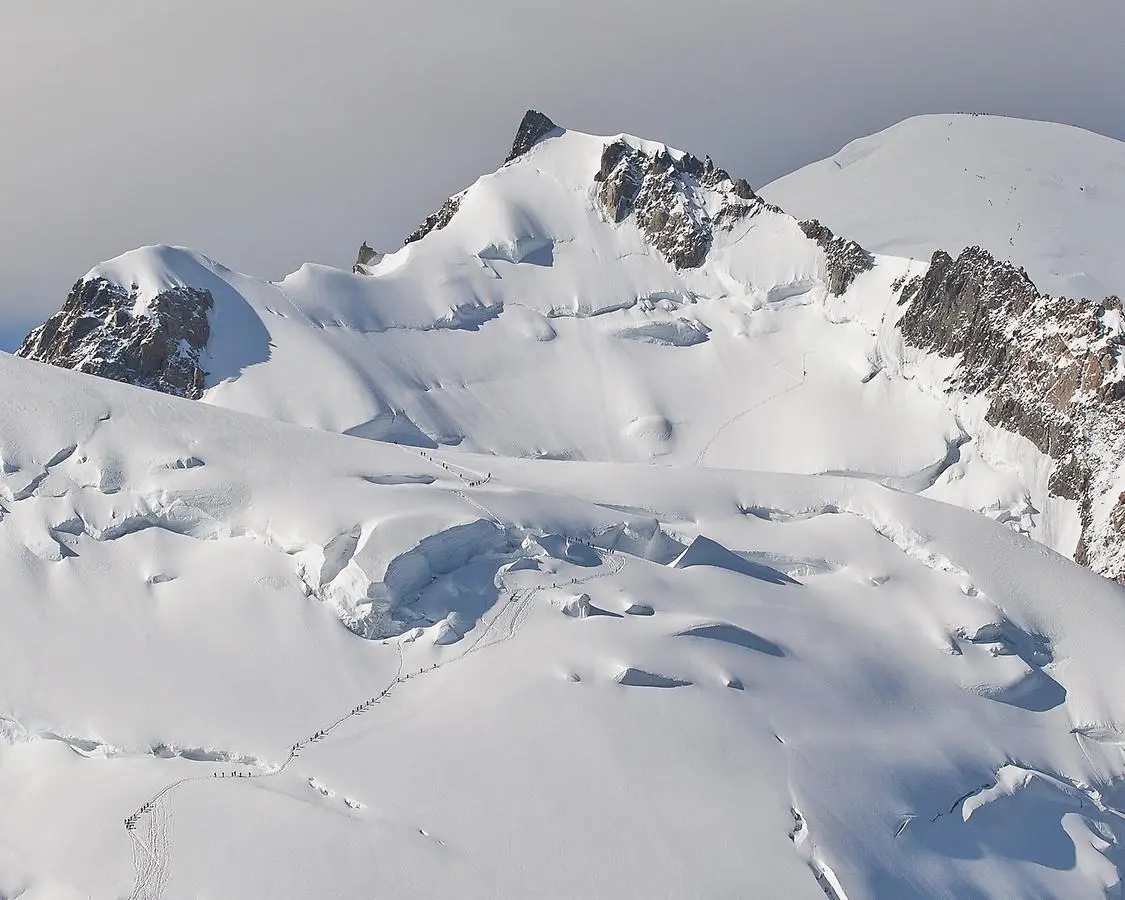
270, 132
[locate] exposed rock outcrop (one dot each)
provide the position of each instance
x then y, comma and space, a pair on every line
436, 220
534, 127
677, 201
1050, 368
847, 260
104, 329
367, 259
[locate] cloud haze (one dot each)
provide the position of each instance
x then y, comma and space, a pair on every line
270, 133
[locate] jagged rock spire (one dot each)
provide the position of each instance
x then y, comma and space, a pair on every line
534, 127
368, 257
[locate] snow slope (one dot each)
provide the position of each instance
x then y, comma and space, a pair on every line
696, 682
1046, 196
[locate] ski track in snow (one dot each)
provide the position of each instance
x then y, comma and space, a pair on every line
700, 459
151, 861
151, 857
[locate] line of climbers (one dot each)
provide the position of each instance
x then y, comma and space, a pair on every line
470, 482
294, 751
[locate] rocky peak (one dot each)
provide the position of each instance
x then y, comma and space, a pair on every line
1050, 368
677, 201
367, 259
533, 128
847, 260
105, 329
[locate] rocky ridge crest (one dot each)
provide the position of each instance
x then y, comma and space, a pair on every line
678, 202
1051, 368
846, 260
367, 259
435, 221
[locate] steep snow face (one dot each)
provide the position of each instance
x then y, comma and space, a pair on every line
699, 683
1047, 197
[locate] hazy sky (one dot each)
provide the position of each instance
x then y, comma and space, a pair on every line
270, 132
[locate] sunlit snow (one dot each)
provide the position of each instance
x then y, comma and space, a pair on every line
529, 566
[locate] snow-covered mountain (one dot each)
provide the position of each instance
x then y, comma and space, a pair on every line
509, 602
609, 298
1046, 197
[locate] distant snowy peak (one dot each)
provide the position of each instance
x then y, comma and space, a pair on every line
592, 223
586, 261
1048, 197
533, 128
677, 201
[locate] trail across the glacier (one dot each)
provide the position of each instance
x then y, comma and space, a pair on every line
700, 460
151, 850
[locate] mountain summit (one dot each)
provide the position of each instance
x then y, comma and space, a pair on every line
533, 128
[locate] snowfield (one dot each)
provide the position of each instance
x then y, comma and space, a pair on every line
717, 684
1045, 196
530, 565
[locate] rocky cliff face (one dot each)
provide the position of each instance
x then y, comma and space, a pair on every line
103, 330
677, 201
1052, 369
846, 260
